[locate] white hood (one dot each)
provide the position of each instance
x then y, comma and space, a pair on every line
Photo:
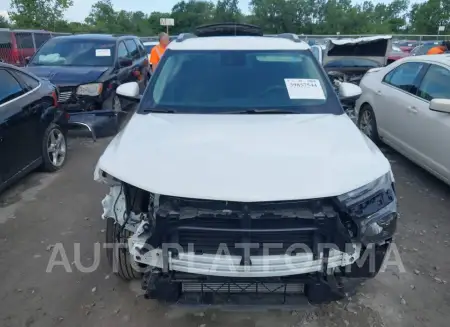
375, 48
243, 157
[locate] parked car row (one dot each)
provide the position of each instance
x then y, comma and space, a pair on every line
407, 106
67, 77
17, 45
33, 127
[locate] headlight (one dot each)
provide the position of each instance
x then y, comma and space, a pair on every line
92, 89
373, 208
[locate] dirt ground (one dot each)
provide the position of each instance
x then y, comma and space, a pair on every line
44, 210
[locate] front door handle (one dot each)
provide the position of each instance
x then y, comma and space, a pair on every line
412, 109
378, 92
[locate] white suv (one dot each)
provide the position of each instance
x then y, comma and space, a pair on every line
240, 171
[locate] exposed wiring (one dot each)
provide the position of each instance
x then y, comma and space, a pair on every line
127, 212
114, 210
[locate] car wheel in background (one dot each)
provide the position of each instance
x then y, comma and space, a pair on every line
367, 123
117, 252
54, 148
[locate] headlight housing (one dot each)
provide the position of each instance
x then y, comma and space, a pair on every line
92, 89
373, 209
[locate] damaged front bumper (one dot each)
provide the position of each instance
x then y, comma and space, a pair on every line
191, 244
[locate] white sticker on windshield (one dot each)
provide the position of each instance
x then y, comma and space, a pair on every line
103, 52
300, 88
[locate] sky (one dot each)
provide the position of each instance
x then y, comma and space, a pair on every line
81, 8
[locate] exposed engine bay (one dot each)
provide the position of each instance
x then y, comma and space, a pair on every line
194, 249
348, 60
338, 77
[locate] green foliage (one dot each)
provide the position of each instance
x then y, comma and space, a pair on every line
275, 16
38, 13
3, 22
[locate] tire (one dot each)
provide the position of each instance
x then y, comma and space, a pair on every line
54, 148
118, 257
112, 103
367, 123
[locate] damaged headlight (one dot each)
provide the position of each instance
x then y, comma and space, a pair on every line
92, 89
373, 208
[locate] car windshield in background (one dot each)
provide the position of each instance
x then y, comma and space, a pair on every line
239, 82
342, 63
396, 49
407, 44
75, 52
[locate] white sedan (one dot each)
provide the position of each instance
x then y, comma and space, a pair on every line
407, 106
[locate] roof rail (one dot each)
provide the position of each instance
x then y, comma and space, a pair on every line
228, 29
290, 36
184, 36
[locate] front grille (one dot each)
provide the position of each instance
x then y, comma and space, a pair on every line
274, 228
65, 93
213, 235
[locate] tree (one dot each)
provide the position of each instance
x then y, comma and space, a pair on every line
275, 16
38, 13
3, 22
102, 17
227, 11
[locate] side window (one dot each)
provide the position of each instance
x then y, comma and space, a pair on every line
26, 79
41, 38
132, 48
10, 87
141, 48
24, 40
122, 51
435, 84
404, 76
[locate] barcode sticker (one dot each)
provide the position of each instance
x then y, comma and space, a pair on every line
299, 88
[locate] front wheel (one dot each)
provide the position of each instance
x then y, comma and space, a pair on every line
117, 251
367, 123
54, 148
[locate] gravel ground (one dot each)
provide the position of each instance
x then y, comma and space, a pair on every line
44, 210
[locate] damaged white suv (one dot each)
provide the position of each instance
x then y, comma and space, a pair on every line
239, 172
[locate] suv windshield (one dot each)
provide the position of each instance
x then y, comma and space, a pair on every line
75, 52
239, 81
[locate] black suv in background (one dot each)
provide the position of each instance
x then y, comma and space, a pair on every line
87, 68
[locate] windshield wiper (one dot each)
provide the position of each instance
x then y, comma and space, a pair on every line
160, 110
262, 111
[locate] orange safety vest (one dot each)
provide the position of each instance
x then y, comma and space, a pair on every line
435, 50
156, 54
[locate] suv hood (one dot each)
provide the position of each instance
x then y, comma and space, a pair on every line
68, 76
375, 48
243, 157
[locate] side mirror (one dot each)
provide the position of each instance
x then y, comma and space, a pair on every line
125, 62
27, 60
440, 105
129, 91
349, 91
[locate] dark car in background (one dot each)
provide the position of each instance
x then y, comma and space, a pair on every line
87, 68
395, 54
17, 45
408, 45
423, 48
32, 126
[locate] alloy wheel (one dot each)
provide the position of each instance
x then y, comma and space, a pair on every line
56, 147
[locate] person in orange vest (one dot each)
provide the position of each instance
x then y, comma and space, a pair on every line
158, 50
440, 49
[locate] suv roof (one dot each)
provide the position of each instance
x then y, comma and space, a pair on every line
233, 36
238, 43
